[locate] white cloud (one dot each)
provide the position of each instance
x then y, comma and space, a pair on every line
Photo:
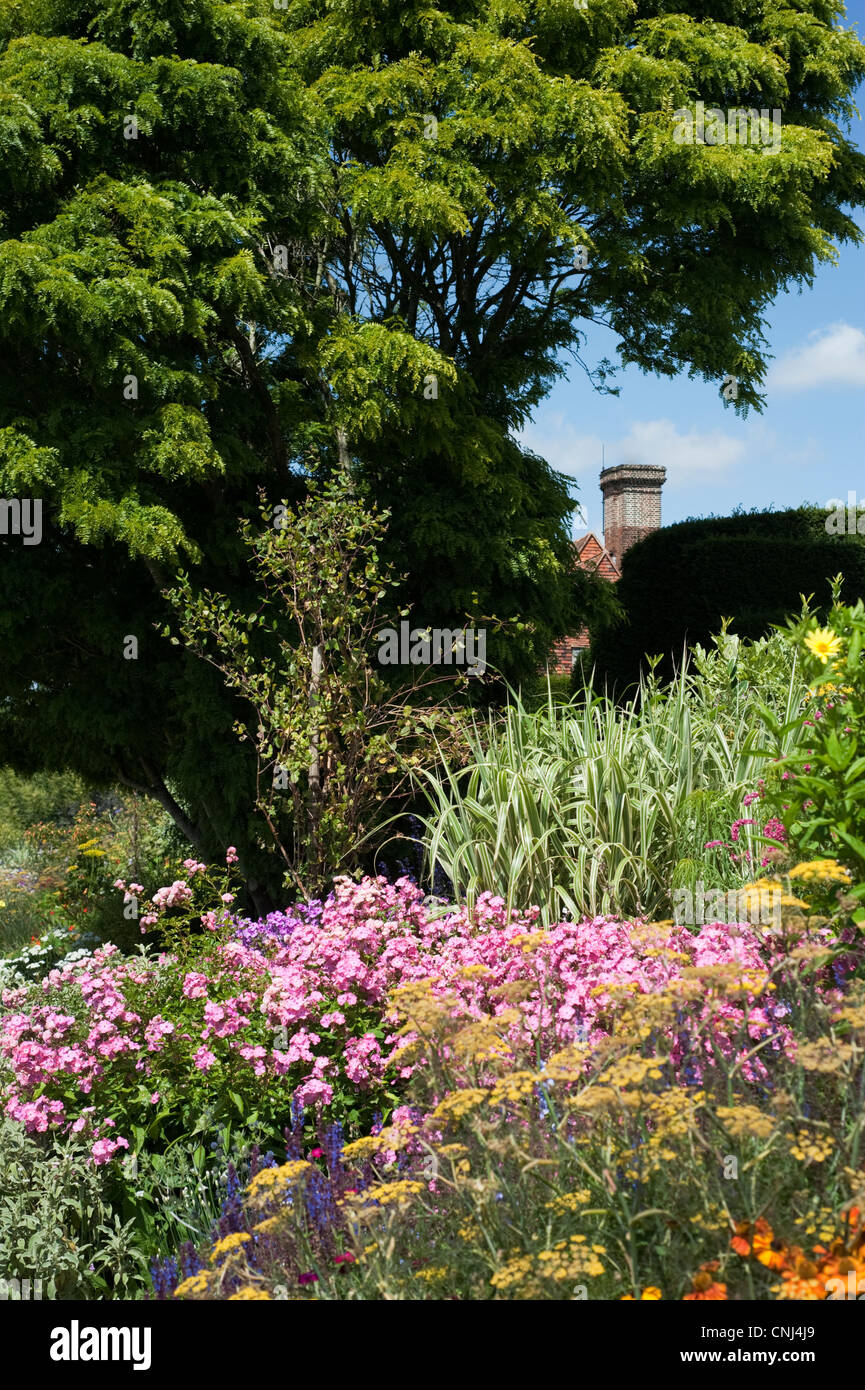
697, 452
685, 456
696, 456
833, 356
565, 449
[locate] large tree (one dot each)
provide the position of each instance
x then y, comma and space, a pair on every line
246, 242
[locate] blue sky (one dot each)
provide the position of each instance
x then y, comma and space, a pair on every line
807, 446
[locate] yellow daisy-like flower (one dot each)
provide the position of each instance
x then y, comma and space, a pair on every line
823, 643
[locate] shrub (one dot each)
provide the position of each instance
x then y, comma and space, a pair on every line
823, 799
680, 582
57, 1222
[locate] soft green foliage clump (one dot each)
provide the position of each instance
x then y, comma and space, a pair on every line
58, 1222
824, 790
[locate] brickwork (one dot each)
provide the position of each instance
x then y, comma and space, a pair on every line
632, 510
590, 554
632, 505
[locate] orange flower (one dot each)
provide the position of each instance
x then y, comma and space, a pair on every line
704, 1287
856, 1228
807, 1290
771, 1250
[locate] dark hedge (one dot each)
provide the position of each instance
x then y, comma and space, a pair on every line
679, 583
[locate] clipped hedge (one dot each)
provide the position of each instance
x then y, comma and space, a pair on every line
679, 583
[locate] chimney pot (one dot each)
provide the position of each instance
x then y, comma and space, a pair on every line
632, 504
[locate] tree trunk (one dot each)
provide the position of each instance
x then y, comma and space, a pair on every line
314, 764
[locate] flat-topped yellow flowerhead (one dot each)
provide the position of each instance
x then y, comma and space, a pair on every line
823, 643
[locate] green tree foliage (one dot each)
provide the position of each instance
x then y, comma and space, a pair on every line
681, 583
244, 244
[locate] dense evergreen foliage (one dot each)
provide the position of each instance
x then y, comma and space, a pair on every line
679, 583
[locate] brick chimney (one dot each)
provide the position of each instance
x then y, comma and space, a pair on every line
632, 505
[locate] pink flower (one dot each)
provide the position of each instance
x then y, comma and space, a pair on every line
231, 855
105, 1149
314, 1092
156, 1031
204, 1059
179, 892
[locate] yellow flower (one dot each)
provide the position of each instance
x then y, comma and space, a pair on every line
193, 1286
228, 1245
741, 1120
270, 1224
569, 1201
457, 1104
823, 643
249, 1292
269, 1182
384, 1194
828, 869
810, 1148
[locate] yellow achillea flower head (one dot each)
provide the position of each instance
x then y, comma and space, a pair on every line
457, 1104
810, 1148
822, 642
514, 1087
195, 1286
228, 1245
569, 1201
270, 1224
249, 1292
388, 1194
745, 1120
270, 1181
828, 869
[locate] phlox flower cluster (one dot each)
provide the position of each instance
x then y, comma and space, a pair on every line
309, 1016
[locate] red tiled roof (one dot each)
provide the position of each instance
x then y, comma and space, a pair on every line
590, 554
